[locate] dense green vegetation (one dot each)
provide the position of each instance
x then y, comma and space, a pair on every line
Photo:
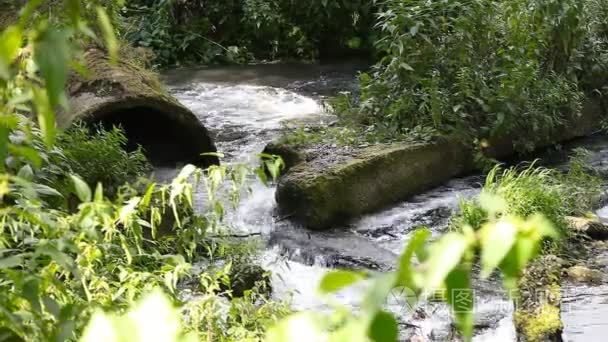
241, 31
82, 233
482, 69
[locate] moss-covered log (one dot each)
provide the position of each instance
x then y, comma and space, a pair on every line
130, 96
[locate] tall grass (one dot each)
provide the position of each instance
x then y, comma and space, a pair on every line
531, 189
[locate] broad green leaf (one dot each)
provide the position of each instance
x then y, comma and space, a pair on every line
46, 190
128, 210
58, 256
51, 53
4, 145
108, 33
444, 256
379, 290
492, 204
337, 280
405, 272
46, 117
82, 189
12, 261
10, 42
461, 298
98, 197
383, 327
28, 153
300, 327
497, 239
30, 291
100, 329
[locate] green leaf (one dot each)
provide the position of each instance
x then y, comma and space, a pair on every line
405, 273
58, 256
497, 239
108, 33
82, 189
26, 173
46, 190
461, 298
12, 261
302, 326
51, 53
99, 193
383, 327
337, 280
378, 292
4, 145
444, 256
28, 153
46, 117
10, 42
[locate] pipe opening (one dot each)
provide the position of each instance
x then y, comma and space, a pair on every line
165, 140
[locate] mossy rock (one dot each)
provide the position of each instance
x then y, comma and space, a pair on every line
537, 308
127, 95
583, 274
322, 193
291, 155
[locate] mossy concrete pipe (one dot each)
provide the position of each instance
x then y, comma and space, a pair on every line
320, 195
130, 96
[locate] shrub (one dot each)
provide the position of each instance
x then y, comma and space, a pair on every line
100, 156
483, 68
243, 31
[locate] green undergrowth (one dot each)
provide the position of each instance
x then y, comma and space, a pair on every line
182, 32
529, 189
482, 69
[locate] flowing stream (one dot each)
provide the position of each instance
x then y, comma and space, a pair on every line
244, 108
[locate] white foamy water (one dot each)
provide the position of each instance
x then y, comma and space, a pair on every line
244, 117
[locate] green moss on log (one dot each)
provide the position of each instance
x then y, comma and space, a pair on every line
320, 195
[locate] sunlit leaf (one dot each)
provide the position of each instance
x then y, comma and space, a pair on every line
10, 42
335, 281
82, 189
496, 239
461, 298
108, 33
405, 272
443, 258
300, 327
51, 53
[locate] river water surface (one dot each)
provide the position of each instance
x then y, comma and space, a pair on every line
244, 108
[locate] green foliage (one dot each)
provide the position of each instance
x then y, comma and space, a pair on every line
533, 190
61, 263
483, 68
244, 30
100, 156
